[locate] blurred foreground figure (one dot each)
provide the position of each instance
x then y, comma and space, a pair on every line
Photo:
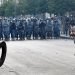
3, 54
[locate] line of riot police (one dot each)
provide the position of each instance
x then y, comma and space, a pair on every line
31, 28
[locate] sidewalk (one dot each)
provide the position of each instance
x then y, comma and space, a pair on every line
63, 36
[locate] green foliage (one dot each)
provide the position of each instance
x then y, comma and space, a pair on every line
11, 8
63, 6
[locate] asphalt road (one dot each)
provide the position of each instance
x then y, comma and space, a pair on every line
45, 57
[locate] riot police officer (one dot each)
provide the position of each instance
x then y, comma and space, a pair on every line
42, 26
67, 25
56, 29
25, 27
17, 24
35, 29
6, 31
13, 30
29, 29
48, 29
21, 30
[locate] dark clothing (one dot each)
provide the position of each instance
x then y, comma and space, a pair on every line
56, 30
21, 31
29, 30
35, 30
49, 30
42, 30
13, 30
6, 30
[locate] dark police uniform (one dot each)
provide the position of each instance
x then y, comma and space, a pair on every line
29, 29
21, 31
56, 29
6, 30
13, 30
42, 26
49, 29
35, 29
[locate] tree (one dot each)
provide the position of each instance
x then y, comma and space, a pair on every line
10, 7
62, 6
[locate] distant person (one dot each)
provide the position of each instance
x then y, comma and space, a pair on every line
56, 29
42, 26
13, 30
6, 31
21, 30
